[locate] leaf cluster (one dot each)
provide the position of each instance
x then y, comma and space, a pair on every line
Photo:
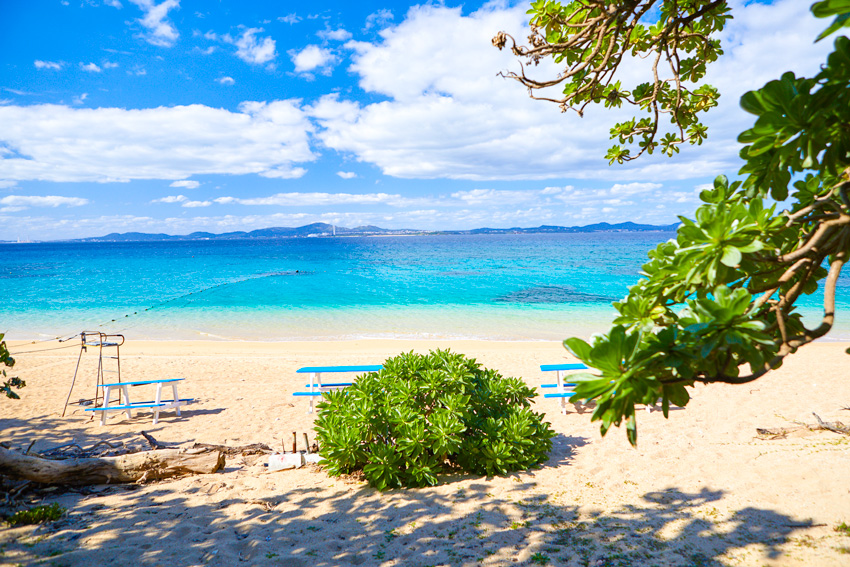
717, 303
425, 415
8, 383
592, 38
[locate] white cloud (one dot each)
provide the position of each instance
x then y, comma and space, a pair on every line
448, 114
378, 19
187, 183
183, 200
633, 188
226, 81
254, 50
346, 174
109, 65
161, 32
171, 199
494, 197
334, 35
89, 67
289, 19
311, 58
113, 3
323, 199
21, 202
60, 143
48, 65
81, 98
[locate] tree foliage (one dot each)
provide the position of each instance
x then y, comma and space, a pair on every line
592, 38
717, 303
8, 383
423, 415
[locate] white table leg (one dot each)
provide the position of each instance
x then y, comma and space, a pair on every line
561, 391
314, 377
126, 390
105, 405
157, 401
176, 397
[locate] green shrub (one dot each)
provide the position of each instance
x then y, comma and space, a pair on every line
36, 515
423, 415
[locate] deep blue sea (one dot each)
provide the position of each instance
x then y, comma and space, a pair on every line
514, 287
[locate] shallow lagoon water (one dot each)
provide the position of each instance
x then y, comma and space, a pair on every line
514, 287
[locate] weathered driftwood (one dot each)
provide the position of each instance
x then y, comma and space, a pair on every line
134, 467
834, 426
244, 450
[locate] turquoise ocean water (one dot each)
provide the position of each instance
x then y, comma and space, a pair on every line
513, 287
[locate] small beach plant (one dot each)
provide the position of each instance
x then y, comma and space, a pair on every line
424, 415
8, 383
36, 515
717, 303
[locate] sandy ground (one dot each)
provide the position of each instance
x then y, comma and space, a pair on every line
701, 489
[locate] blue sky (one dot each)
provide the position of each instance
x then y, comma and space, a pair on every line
179, 115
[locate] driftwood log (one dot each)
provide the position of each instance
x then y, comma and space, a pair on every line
133, 467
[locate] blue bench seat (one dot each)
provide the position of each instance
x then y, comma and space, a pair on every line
564, 388
315, 387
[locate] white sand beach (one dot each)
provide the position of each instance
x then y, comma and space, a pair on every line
702, 488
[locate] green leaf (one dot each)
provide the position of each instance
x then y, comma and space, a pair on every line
631, 430
731, 256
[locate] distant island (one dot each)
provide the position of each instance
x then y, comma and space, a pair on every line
319, 229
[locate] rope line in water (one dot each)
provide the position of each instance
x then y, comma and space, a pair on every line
67, 338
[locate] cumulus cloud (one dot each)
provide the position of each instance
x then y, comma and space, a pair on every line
48, 65
346, 174
334, 35
171, 199
81, 98
61, 143
253, 49
289, 19
182, 199
160, 31
226, 81
448, 115
312, 58
378, 19
113, 3
187, 183
14, 203
89, 67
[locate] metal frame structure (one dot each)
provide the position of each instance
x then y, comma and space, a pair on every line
99, 340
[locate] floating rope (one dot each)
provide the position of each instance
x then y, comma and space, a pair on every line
65, 338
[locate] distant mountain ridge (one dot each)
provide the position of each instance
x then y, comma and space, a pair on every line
323, 229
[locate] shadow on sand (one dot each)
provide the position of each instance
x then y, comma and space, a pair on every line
311, 521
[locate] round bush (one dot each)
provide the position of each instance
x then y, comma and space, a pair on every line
423, 415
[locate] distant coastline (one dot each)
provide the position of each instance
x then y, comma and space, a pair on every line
320, 230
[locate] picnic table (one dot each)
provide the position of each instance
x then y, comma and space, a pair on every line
315, 387
157, 405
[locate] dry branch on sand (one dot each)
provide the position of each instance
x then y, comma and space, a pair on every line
134, 467
780, 433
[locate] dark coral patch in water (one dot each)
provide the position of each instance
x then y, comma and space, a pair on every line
552, 294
